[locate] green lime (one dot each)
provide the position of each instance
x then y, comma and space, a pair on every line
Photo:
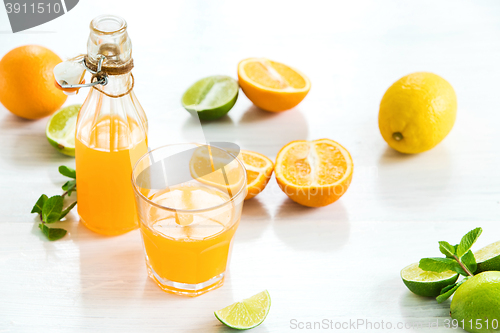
476, 303
426, 283
488, 258
61, 127
246, 314
212, 97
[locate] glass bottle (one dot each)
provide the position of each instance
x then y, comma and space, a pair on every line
111, 135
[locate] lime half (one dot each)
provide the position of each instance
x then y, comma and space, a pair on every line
61, 127
246, 314
211, 97
426, 283
488, 258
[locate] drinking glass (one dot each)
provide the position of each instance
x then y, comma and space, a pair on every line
189, 199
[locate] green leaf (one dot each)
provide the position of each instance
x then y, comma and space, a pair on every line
52, 209
437, 264
469, 261
447, 291
67, 210
457, 268
441, 265
67, 171
37, 208
69, 186
467, 241
444, 296
447, 249
52, 234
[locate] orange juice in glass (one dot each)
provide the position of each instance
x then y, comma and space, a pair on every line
189, 200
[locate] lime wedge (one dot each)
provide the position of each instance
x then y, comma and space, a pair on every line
211, 97
61, 127
426, 283
246, 314
488, 258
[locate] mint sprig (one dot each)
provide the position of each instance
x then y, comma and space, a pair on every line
51, 209
459, 258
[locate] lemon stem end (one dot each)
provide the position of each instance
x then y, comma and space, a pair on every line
397, 136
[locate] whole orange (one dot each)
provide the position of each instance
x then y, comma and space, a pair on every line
27, 86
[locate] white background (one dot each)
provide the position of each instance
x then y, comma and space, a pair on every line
340, 262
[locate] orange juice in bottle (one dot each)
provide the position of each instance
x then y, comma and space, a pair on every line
111, 133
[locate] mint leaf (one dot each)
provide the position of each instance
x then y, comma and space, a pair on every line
467, 241
52, 234
469, 261
458, 269
67, 171
56, 233
52, 209
444, 296
67, 210
437, 264
447, 291
37, 208
447, 249
69, 186
441, 265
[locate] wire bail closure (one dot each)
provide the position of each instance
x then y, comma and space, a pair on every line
100, 73
102, 76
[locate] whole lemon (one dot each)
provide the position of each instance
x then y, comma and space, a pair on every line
417, 112
476, 304
27, 86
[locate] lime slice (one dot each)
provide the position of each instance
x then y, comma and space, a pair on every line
246, 314
61, 127
211, 97
488, 258
426, 283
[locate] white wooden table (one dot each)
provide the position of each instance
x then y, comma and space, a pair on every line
340, 262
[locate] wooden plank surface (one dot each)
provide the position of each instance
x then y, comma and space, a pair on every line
338, 263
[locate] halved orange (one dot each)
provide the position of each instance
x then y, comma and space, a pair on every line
259, 170
217, 168
272, 86
314, 173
